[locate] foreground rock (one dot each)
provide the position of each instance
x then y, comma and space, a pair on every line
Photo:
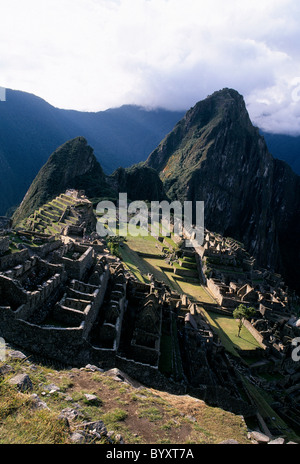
22, 381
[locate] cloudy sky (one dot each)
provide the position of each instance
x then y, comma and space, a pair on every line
96, 54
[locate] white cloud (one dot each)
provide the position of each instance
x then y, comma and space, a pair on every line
95, 54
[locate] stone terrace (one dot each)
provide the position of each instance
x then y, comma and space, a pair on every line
71, 209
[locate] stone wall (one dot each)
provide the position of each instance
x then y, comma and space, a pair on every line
104, 357
35, 263
215, 290
221, 398
38, 297
148, 375
77, 267
220, 292
96, 304
258, 337
145, 354
76, 231
12, 293
13, 259
16, 296
67, 316
64, 345
47, 248
186, 272
122, 304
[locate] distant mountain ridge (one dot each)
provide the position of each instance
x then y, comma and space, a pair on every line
31, 130
73, 165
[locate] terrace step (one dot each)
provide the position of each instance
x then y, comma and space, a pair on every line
59, 208
64, 202
51, 216
69, 200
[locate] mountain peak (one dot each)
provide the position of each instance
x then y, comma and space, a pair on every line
216, 107
215, 155
73, 165
220, 113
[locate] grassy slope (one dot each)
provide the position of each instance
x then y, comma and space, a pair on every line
226, 327
140, 415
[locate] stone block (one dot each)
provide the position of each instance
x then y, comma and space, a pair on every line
22, 381
259, 437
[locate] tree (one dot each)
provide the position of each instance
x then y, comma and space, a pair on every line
241, 313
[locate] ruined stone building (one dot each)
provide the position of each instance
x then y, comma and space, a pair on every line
233, 278
64, 297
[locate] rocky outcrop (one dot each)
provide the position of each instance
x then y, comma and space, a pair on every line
216, 155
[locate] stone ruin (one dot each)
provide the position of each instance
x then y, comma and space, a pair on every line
71, 213
233, 279
66, 298
78, 305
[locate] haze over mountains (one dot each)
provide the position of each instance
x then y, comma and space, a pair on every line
31, 130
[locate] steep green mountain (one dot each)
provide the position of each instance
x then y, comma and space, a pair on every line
31, 129
71, 166
216, 155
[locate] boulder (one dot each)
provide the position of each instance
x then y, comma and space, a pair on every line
92, 399
93, 368
52, 388
119, 439
277, 441
70, 414
6, 369
78, 438
259, 437
17, 355
22, 381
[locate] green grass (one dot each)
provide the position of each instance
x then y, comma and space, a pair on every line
227, 329
152, 413
132, 262
139, 415
140, 266
171, 242
194, 290
20, 423
116, 415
